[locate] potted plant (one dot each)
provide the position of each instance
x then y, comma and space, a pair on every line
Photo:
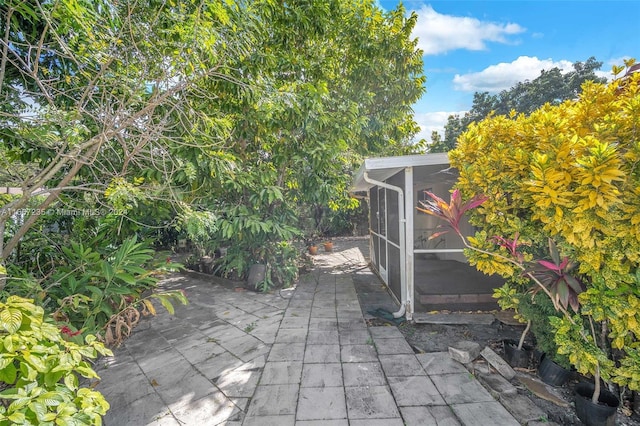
600, 413
313, 249
328, 246
516, 352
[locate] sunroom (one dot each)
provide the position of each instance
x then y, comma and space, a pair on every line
423, 274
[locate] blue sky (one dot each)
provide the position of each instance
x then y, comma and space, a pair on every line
489, 46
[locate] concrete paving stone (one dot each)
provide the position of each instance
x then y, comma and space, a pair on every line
211, 409
461, 388
323, 337
270, 323
393, 346
323, 324
322, 353
269, 312
363, 374
401, 365
358, 353
349, 312
321, 404
354, 337
377, 422
484, 413
116, 373
242, 344
150, 410
215, 366
522, 408
200, 351
497, 383
287, 352
324, 297
300, 304
274, 400
370, 402
246, 323
498, 363
294, 322
464, 351
341, 422
143, 346
121, 358
321, 375
179, 383
231, 313
280, 373
385, 332
256, 352
255, 364
293, 312
429, 416
180, 331
415, 390
356, 319
223, 333
352, 324
238, 382
265, 335
291, 335
138, 386
241, 404
289, 420
440, 363
324, 313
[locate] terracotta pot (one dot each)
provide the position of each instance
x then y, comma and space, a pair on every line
328, 246
313, 250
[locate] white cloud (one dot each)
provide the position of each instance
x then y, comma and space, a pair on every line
432, 121
504, 75
438, 33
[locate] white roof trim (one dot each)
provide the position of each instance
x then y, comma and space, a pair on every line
382, 168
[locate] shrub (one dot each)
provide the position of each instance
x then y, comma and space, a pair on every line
39, 370
569, 173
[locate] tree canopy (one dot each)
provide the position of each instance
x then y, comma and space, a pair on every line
224, 118
550, 87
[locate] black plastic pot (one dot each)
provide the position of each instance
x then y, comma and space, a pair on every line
602, 414
552, 373
517, 357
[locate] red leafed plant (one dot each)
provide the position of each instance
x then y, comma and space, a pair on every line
451, 212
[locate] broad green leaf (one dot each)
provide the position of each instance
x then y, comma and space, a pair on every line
10, 319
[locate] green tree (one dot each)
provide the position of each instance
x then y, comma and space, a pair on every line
331, 81
551, 86
97, 97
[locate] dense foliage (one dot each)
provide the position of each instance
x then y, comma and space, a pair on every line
40, 369
229, 120
568, 173
551, 86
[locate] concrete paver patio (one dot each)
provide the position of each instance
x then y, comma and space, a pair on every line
294, 357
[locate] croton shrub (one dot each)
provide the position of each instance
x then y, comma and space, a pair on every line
571, 174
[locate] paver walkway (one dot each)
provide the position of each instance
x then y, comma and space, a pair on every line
298, 357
